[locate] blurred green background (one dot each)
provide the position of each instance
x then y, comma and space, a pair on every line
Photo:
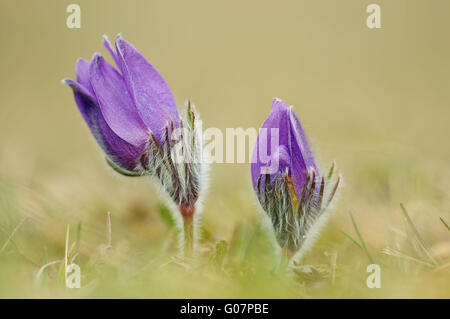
376, 101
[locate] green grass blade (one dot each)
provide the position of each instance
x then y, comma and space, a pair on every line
445, 224
353, 240
363, 243
411, 224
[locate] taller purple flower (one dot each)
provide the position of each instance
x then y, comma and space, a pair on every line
132, 114
289, 186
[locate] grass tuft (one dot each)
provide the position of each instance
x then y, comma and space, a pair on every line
422, 245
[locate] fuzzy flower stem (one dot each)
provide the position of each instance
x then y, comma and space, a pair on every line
187, 212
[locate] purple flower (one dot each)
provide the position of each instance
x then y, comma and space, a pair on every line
289, 186
122, 105
132, 114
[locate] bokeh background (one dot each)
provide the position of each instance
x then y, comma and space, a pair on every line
376, 101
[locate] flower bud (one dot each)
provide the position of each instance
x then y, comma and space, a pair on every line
289, 187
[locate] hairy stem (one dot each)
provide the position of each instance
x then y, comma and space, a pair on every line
187, 211
188, 227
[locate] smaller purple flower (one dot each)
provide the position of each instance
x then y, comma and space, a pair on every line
289, 186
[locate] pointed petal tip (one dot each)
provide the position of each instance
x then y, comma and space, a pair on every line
121, 44
70, 83
118, 43
119, 39
81, 64
106, 41
112, 49
81, 60
277, 103
79, 88
277, 99
97, 58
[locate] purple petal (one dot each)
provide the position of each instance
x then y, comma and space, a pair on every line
82, 71
119, 151
292, 154
116, 103
124, 154
281, 158
301, 155
110, 49
150, 92
86, 103
273, 137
